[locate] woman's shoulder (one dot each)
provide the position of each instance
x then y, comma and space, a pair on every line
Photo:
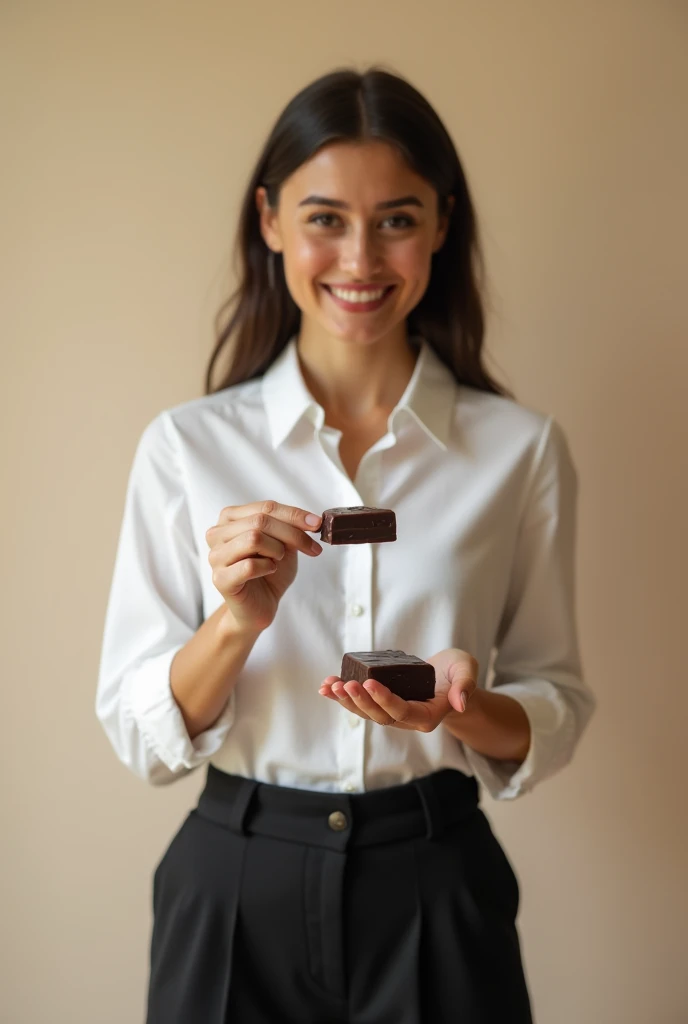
495, 426
233, 405
229, 402
486, 410
206, 419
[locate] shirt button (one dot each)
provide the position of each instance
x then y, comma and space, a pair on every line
349, 788
337, 821
354, 722
357, 609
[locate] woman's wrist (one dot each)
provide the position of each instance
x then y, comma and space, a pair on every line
230, 631
463, 723
493, 724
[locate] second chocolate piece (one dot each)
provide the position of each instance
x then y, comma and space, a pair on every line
404, 674
358, 524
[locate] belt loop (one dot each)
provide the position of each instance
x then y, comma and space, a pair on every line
432, 809
240, 804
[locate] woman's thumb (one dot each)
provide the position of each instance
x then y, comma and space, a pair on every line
462, 684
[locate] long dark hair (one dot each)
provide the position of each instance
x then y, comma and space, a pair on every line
260, 318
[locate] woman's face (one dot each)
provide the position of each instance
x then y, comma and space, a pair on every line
357, 229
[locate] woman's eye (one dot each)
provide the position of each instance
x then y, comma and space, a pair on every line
401, 221
398, 221
323, 219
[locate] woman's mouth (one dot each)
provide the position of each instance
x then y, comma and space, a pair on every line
359, 300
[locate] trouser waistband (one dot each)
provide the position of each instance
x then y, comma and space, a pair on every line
426, 806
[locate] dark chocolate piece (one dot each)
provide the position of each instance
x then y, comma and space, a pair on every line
407, 676
358, 525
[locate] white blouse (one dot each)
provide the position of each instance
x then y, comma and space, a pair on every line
484, 492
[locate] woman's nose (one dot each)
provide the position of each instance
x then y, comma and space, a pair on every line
361, 256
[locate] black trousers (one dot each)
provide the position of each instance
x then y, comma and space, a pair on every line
285, 906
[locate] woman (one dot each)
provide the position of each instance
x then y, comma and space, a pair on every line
338, 866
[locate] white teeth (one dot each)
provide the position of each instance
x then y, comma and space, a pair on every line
347, 296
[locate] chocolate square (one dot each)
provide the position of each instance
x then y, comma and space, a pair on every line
404, 674
358, 524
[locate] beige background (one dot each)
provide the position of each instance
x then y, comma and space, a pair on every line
129, 131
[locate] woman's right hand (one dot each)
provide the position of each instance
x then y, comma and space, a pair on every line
253, 554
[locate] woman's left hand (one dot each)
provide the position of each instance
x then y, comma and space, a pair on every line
456, 675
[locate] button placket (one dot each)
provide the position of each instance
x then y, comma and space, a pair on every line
358, 621
351, 750
358, 577
358, 570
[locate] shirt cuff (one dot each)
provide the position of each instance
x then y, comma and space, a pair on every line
149, 702
552, 736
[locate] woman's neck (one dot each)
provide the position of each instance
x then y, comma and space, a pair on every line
354, 382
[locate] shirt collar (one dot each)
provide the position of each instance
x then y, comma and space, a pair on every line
429, 397
286, 397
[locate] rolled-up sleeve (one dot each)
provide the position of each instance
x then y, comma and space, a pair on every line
155, 606
537, 658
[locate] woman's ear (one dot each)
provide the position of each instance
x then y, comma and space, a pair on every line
443, 225
269, 224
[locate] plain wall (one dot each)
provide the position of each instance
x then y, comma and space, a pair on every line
130, 129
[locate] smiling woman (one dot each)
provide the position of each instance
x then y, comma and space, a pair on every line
359, 189
338, 866
342, 268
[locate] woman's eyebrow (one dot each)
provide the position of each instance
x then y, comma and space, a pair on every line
389, 204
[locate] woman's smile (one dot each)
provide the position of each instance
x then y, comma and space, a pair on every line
357, 298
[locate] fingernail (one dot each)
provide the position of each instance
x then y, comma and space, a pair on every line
464, 700
315, 547
312, 520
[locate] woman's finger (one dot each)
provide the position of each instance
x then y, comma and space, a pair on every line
365, 703
231, 580
285, 522
459, 697
326, 688
290, 514
250, 544
422, 716
343, 699
260, 522
402, 711
462, 685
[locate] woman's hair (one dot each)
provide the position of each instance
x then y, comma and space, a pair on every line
345, 106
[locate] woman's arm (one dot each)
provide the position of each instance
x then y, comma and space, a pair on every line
154, 613
537, 663
205, 669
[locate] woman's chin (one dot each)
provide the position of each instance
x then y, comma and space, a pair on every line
359, 334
